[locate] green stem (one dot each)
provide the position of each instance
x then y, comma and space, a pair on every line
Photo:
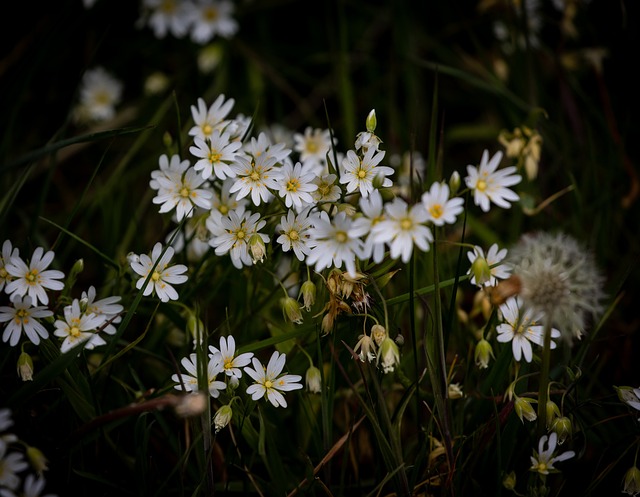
543, 389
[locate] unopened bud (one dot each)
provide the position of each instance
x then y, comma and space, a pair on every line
389, 354
483, 353
378, 333
509, 481
371, 121
631, 482
553, 412
454, 183
524, 410
257, 248
563, 427
455, 391
308, 291
313, 379
25, 367
481, 271
291, 310
37, 459
222, 417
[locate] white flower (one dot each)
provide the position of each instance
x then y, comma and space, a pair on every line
107, 307
231, 363
328, 190
100, 92
168, 168
332, 244
493, 258
5, 419
11, 464
295, 186
22, 316
521, 328
231, 234
388, 355
5, 257
215, 155
365, 348
403, 228
294, 233
169, 16
32, 279
440, 207
189, 382
489, 185
211, 18
78, 327
373, 212
630, 396
33, 486
181, 191
207, 120
163, 275
313, 145
256, 177
267, 381
360, 174
543, 460
263, 146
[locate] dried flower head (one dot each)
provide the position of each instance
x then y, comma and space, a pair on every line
558, 278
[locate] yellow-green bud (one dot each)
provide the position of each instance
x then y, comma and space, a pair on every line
76, 269
481, 270
378, 181
291, 310
308, 291
156, 83
378, 333
222, 417
313, 379
553, 412
167, 139
454, 183
37, 459
25, 367
483, 353
524, 410
257, 248
631, 483
562, 426
209, 58
389, 354
371, 121
509, 481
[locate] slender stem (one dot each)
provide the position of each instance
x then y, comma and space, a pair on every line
543, 388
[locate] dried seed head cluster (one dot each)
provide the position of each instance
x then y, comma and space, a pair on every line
559, 278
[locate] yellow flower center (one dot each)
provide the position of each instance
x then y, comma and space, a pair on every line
268, 384
214, 156
293, 235
406, 223
74, 331
362, 173
210, 14
341, 236
228, 364
22, 314
155, 276
240, 235
31, 276
223, 209
184, 192
292, 185
207, 129
436, 211
3, 273
255, 176
312, 147
481, 185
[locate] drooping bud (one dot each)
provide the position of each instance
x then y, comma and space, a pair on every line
562, 426
37, 459
389, 354
483, 353
308, 291
631, 483
378, 333
509, 480
481, 270
524, 410
25, 367
313, 379
222, 417
257, 248
291, 310
553, 412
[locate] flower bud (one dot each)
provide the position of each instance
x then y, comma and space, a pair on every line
308, 291
378, 181
313, 379
257, 248
481, 270
562, 426
483, 353
631, 483
37, 459
524, 410
553, 412
455, 391
25, 367
378, 333
222, 417
454, 183
509, 481
209, 58
371, 121
76, 269
390, 355
291, 310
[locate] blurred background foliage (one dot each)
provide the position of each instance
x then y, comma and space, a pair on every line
327, 64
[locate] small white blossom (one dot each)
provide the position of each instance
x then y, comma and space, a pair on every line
78, 327
215, 155
295, 186
182, 192
440, 207
495, 255
32, 279
189, 382
168, 17
255, 178
100, 93
332, 244
207, 120
543, 460
163, 275
312, 146
231, 234
212, 18
359, 174
5, 257
107, 307
23, 317
294, 233
490, 185
231, 363
268, 381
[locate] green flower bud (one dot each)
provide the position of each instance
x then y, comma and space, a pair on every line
371, 121
553, 412
222, 417
378, 333
291, 310
257, 248
481, 270
308, 291
562, 426
313, 379
37, 459
524, 410
25, 367
389, 354
509, 481
631, 484
454, 183
483, 353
